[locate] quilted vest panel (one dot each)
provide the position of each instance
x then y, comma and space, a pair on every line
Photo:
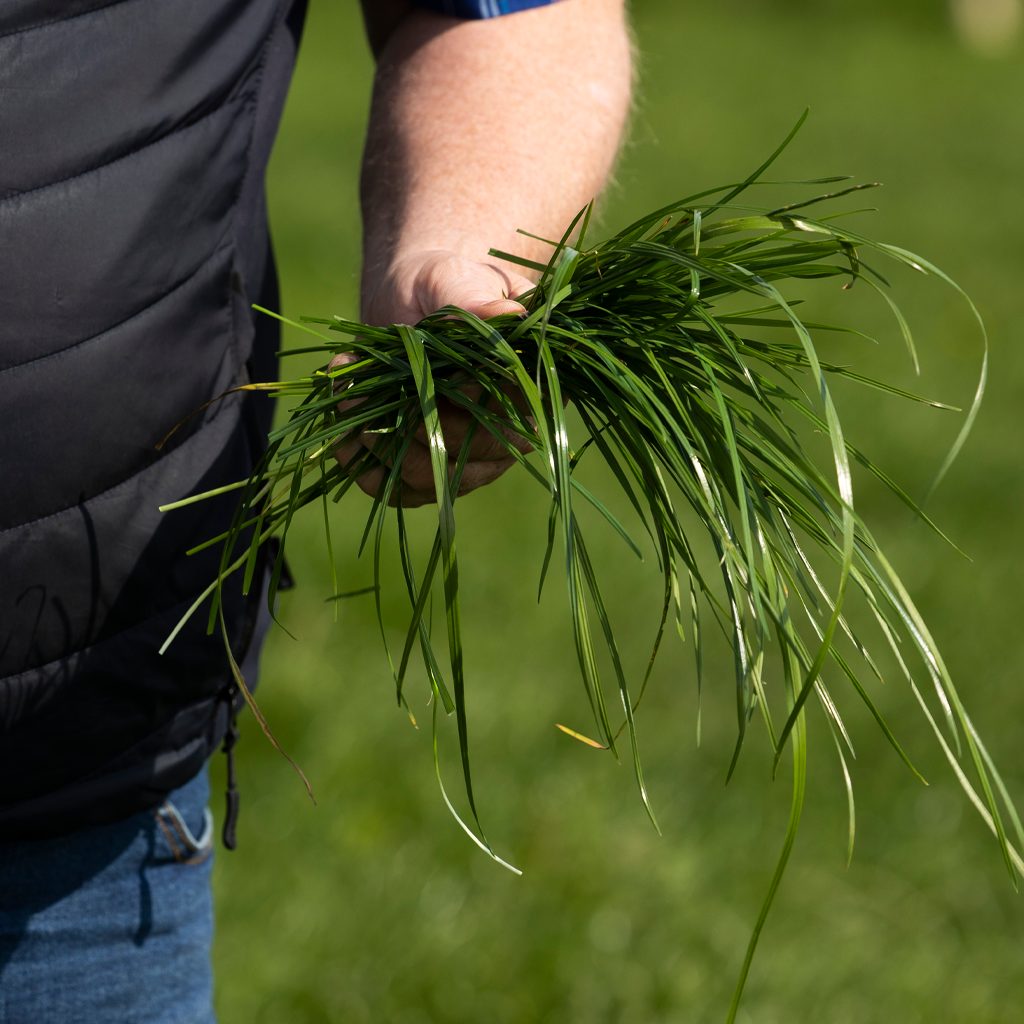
134, 137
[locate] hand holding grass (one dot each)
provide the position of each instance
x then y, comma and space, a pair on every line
459, 154
418, 285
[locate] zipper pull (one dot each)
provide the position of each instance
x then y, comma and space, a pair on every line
231, 817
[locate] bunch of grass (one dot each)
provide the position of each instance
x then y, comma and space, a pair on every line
684, 405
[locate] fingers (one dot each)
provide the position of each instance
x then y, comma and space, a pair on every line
411, 498
344, 359
417, 472
487, 459
455, 423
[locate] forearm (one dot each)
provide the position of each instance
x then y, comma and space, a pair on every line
478, 128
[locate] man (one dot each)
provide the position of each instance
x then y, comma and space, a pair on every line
133, 241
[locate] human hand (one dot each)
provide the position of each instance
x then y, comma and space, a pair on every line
416, 286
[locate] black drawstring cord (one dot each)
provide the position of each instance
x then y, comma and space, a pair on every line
231, 817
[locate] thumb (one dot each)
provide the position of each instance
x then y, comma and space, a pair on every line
484, 289
486, 308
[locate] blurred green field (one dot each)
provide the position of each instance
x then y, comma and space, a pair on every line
374, 907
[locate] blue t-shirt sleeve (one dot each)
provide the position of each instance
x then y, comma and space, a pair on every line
480, 8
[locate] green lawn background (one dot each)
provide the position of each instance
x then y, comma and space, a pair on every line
373, 906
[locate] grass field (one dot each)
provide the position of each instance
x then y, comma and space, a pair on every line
374, 907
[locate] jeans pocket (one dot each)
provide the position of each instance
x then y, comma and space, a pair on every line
183, 844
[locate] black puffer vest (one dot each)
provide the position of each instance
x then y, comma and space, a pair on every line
134, 137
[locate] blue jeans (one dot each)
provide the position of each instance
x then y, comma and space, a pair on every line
112, 924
